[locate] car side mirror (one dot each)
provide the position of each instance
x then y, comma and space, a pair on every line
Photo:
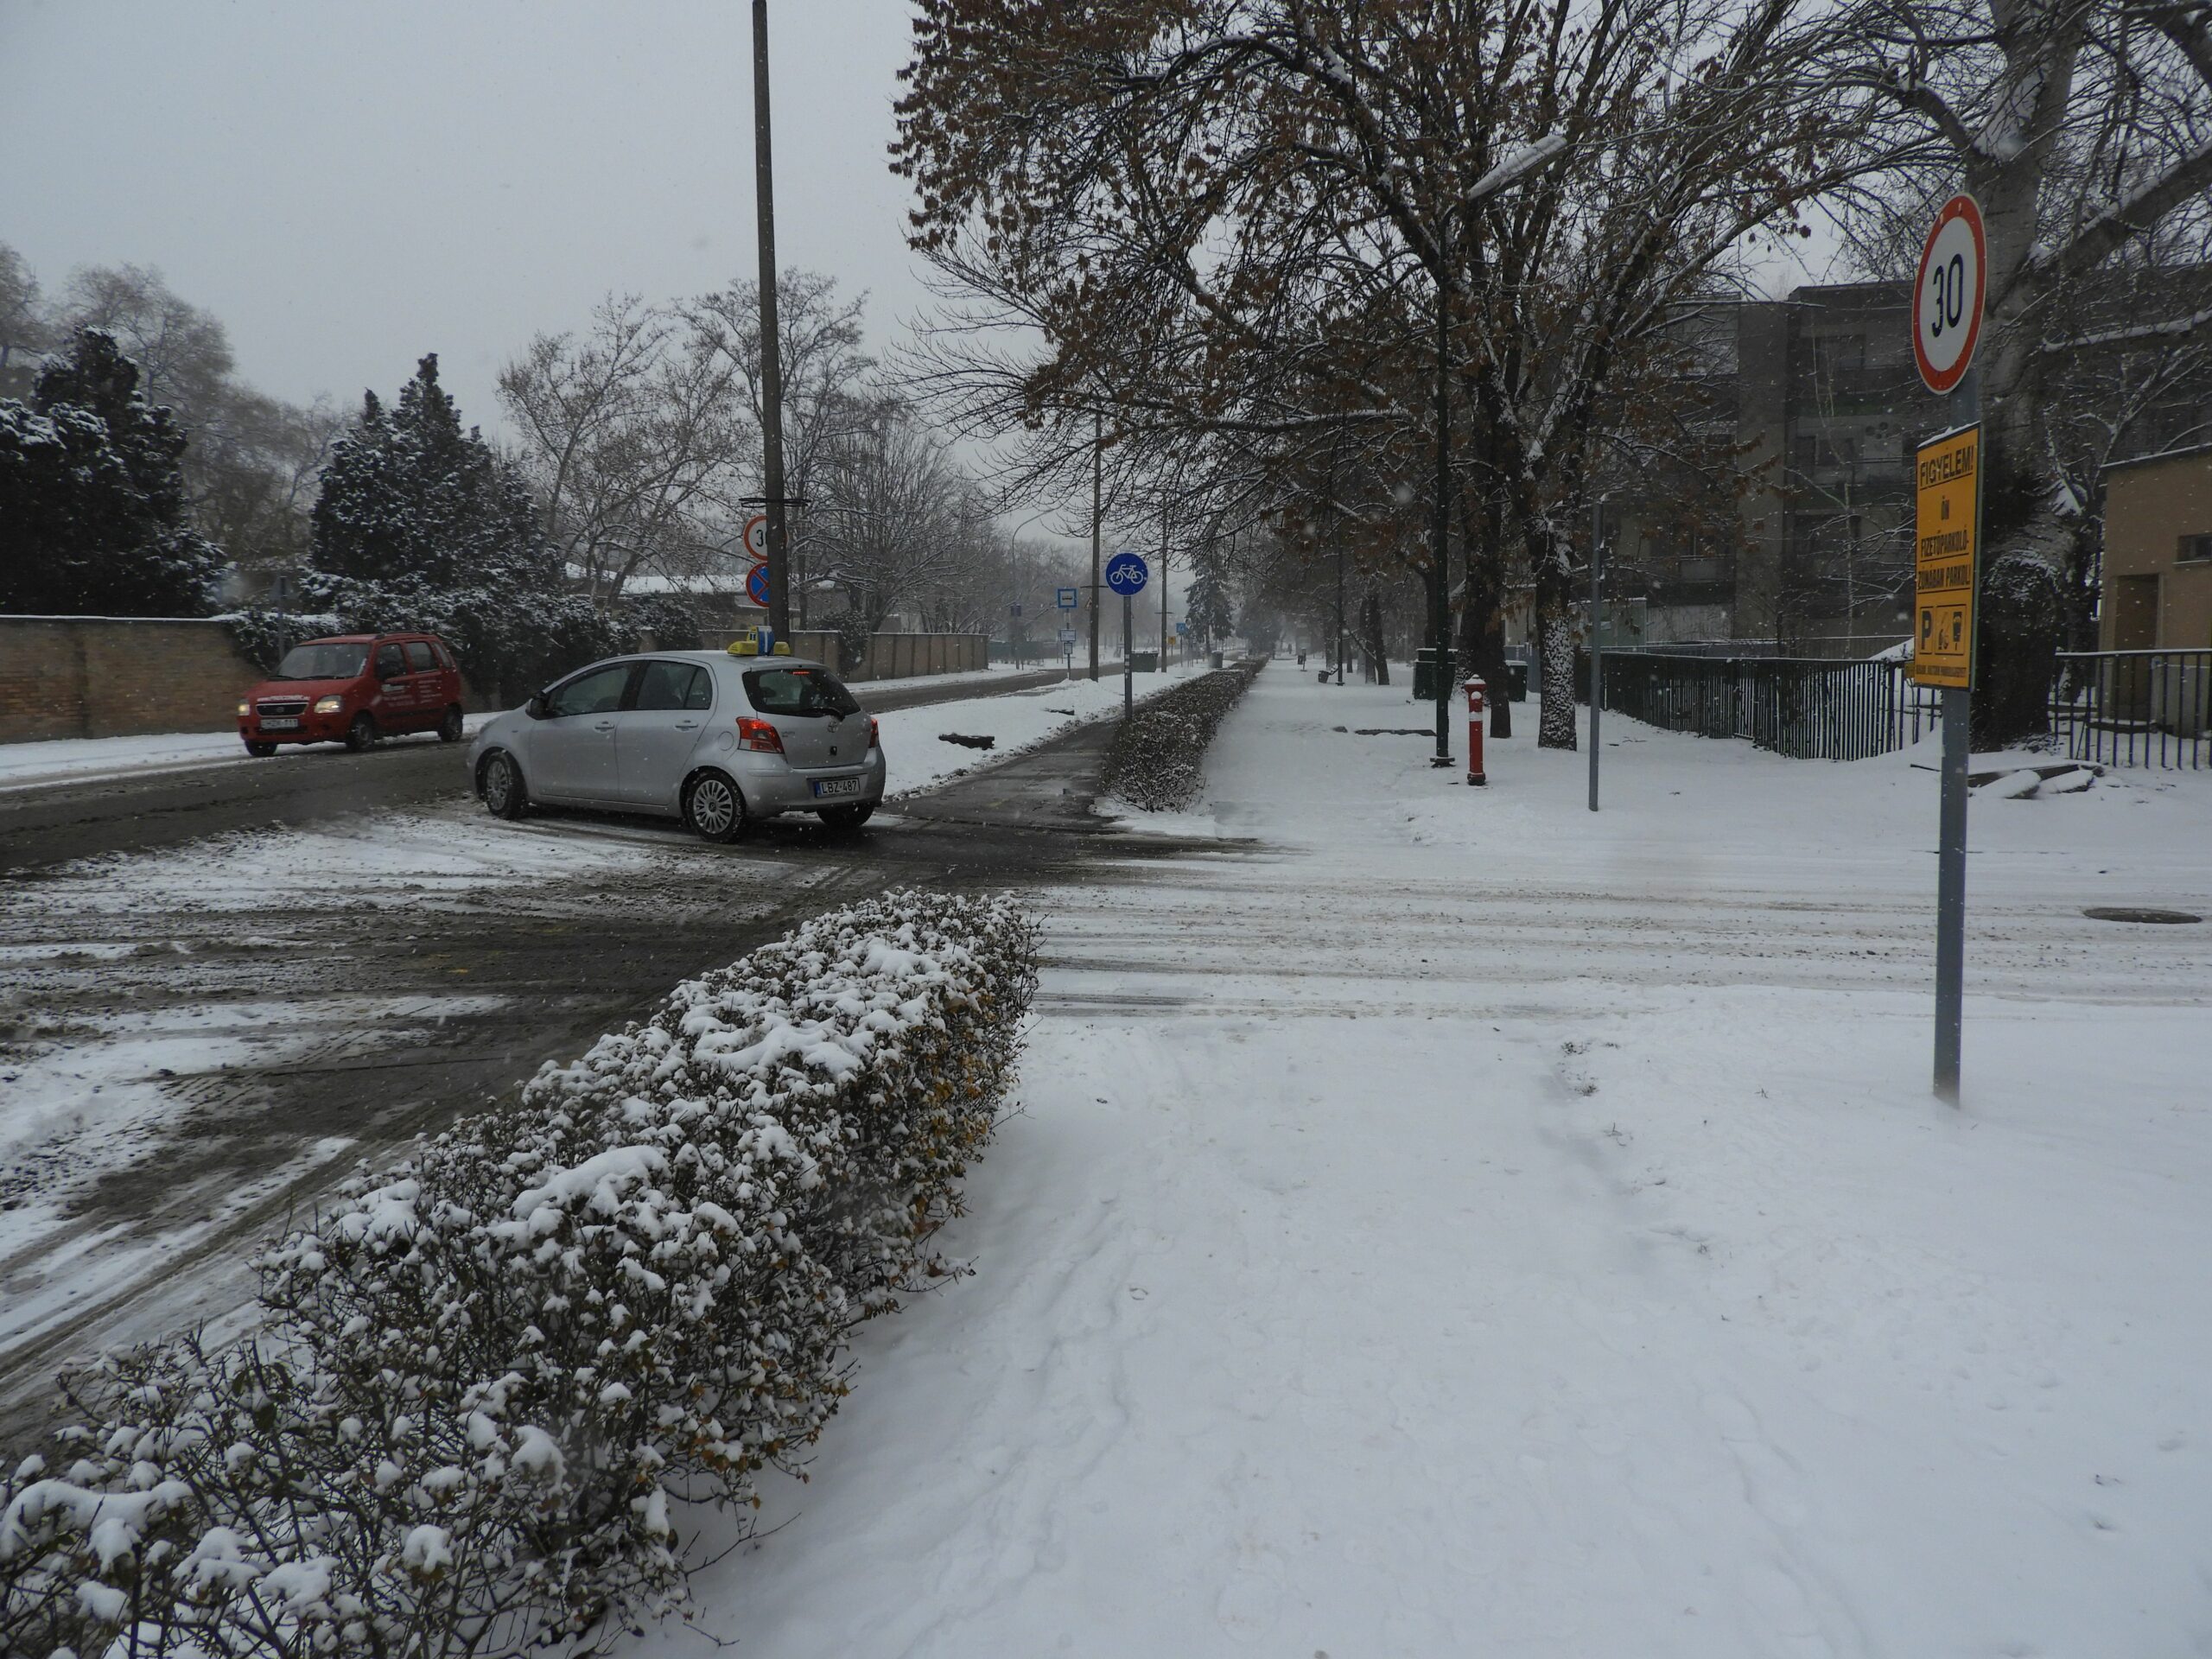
539, 705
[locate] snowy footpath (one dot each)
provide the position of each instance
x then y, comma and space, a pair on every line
1443, 1223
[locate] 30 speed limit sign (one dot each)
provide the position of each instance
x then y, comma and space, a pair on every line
1947, 295
756, 537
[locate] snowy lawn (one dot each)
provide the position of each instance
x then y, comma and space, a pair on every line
1457, 1225
919, 758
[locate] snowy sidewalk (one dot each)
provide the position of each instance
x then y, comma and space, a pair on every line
1465, 1226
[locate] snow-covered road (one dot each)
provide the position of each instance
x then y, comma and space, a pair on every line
1449, 1223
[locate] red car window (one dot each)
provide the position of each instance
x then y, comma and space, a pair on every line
419, 660
391, 662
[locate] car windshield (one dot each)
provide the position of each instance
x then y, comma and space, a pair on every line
799, 692
326, 659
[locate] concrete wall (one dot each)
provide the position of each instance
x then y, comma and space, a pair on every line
117, 676
890, 656
2150, 506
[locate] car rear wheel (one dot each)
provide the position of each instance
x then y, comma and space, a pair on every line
260, 751
712, 807
362, 734
449, 727
849, 818
500, 782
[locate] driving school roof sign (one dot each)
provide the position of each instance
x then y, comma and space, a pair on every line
1947, 519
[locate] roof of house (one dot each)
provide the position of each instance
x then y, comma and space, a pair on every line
2185, 450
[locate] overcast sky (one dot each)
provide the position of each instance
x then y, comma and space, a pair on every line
349, 186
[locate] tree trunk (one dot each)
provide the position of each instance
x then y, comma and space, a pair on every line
1555, 719
1378, 651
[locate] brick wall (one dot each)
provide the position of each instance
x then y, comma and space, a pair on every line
122, 677
117, 676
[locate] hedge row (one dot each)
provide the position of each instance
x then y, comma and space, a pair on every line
509, 642
487, 1380
1156, 758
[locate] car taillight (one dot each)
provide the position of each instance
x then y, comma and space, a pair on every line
758, 734
874, 734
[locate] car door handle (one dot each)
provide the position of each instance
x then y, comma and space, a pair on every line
687, 725
604, 726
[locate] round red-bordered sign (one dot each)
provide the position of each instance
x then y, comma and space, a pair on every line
1947, 294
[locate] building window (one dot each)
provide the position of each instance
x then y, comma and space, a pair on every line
2195, 550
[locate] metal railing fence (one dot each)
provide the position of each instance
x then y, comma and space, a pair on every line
1803, 708
2134, 707
2151, 708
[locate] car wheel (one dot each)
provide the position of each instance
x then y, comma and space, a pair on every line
500, 782
260, 751
848, 817
362, 734
449, 727
712, 807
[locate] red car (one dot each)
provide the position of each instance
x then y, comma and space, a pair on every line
354, 690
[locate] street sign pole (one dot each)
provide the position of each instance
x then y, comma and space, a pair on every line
1128, 674
1951, 843
1949, 290
1597, 643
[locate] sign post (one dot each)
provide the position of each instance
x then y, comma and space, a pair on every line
1947, 305
1126, 574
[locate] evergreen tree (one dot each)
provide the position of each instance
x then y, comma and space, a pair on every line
92, 496
410, 498
1206, 604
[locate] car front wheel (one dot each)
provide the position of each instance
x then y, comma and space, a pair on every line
501, 785
362, 734
714, 809
260, 751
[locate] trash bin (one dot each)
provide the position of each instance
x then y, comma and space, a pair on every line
1518, 674
1425, 682
1301, 659
1144, 661
1214, 660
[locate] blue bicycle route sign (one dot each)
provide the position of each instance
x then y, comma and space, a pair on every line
1126, 573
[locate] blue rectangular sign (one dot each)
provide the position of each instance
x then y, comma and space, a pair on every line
1065, 598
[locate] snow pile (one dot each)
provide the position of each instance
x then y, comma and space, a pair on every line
1154, 762
488, 1373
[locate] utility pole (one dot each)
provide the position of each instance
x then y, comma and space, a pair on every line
1097, 510
1163, 585
1440, 602
1597, 639
772, 363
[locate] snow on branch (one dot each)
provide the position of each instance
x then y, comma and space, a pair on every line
2173, 328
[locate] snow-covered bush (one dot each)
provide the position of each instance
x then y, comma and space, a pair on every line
1157, 757
491, 1377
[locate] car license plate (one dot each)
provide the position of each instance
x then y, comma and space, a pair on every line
836, 786
268, 725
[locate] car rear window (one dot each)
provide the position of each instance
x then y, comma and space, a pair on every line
323, 660
419, 660
798, 691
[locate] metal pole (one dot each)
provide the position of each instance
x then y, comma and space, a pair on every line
1163, 586
1440, 617
1596, 641
772, 363
1340, 652
1097, 501
1951, 857
1129, 675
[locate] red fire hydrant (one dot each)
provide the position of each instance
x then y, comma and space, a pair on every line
1474, 688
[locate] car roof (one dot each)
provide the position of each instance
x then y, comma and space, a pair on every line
362, 639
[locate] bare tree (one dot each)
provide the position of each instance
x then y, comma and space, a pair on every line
1247, 232
888, 512
826, 377
21, 331
2084, 130
633, 437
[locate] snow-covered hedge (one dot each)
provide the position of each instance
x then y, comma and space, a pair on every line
1157, 757
491, 1377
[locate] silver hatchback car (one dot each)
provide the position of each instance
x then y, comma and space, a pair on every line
714, 739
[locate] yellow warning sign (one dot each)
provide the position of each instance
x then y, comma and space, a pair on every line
1945, 548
